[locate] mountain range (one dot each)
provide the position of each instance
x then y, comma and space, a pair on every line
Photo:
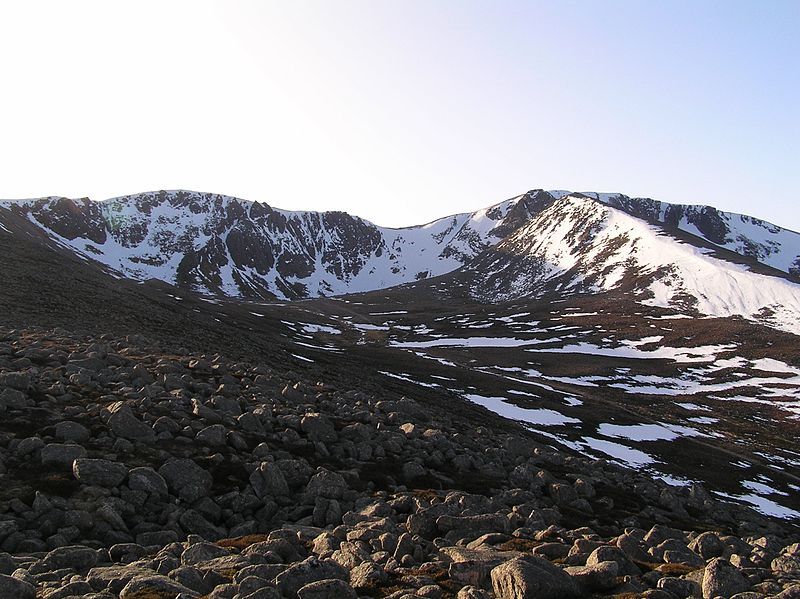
701, 259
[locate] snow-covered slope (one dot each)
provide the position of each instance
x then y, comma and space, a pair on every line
746, 235
579, 244
220, 244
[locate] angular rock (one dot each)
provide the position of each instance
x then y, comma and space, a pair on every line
349, 555
115, 577
473, 566
471, 592
78, 588
59, 454
102, 473
147, 480
268, 481
327, 589
154, 586
18, 589
76, 557
609, 553
202, 552
194, 522
124, 424
367, 576
600, 576
11, 399
310, 570
318, 428
721, 579
707, 545
20, 381
71, 431
186, 479
325, 483
679, 587
213, 435
789, 564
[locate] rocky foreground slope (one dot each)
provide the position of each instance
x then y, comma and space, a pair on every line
130, 472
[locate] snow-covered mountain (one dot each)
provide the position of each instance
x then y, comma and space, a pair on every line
584, 243
693, 257
223, 245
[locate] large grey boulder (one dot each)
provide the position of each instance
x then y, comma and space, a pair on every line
13, 587
324, 483
12, 399
102, 473
59, 454
147, 480
268, 481
76, 557
71, 431
325, 589
708, 545
721, 579
20, 381
154, 585
309, 570
473, 566
531, 577
601, 576
186, 479
125, 424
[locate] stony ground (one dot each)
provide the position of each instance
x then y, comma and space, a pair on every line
130, 471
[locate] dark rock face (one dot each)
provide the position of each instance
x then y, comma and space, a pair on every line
645, 208
794, 269
531, 204
72, 218
709, 223
356, 240
249, 247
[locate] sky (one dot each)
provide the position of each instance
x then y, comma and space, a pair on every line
407, 110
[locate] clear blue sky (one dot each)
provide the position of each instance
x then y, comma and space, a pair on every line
403, 111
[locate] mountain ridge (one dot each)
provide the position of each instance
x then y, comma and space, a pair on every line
221, 245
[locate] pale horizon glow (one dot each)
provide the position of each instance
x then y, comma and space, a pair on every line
404, 112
